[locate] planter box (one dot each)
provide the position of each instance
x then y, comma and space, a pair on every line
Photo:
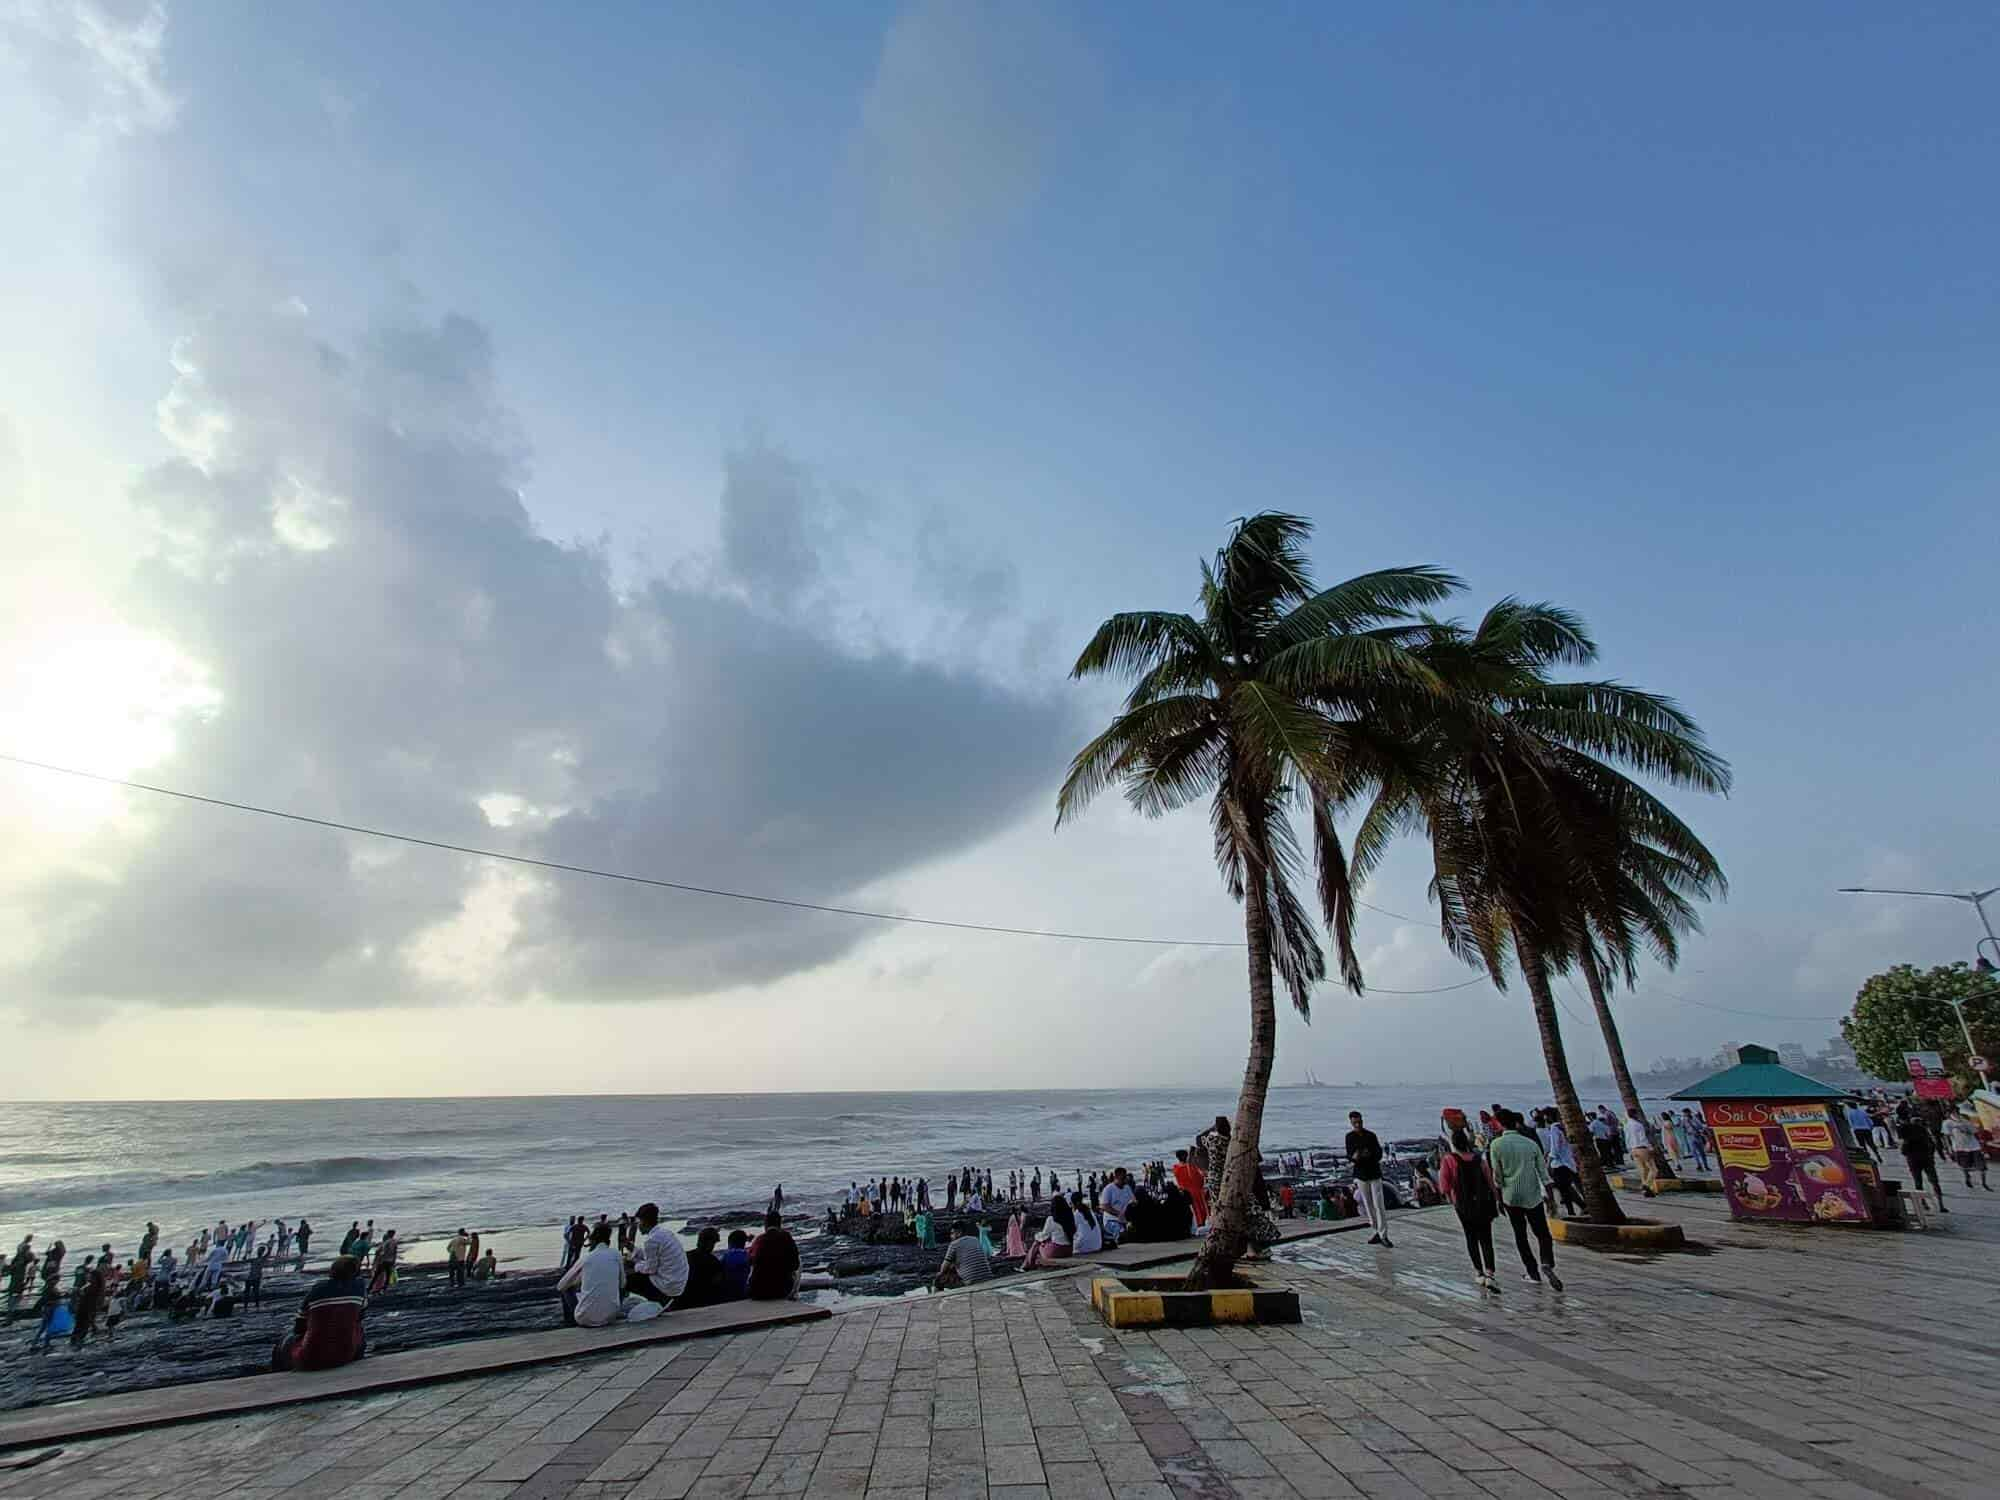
1159, 1302
1628, 1183
1633, 1234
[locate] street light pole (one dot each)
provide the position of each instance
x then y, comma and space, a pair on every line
1977, 901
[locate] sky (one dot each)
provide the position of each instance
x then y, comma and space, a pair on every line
695, 442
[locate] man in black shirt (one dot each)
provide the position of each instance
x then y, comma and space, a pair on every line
1364, 1154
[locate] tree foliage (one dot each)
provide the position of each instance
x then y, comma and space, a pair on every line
1907, 1009
1260, 703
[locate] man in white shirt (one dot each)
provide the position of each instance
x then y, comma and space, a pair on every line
1639, 1146
598, 1303
1115, 1200
660, 1269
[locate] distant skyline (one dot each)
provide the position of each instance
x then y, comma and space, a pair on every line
697, 444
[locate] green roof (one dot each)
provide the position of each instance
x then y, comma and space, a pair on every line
1758, 1075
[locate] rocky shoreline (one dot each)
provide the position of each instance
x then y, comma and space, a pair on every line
877, 1259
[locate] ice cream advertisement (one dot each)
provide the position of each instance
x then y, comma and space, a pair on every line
1784, 1161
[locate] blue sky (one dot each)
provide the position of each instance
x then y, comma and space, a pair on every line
1681, 319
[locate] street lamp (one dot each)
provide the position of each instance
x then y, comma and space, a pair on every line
1977, 901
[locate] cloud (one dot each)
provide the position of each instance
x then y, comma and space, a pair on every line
968, 105
385, 637
103, 58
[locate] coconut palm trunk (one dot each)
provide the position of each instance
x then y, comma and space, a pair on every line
1600, 1204
1628, 1095
1229, 1202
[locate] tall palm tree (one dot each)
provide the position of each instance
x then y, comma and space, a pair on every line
1255, 703
1542, 848
1662, 888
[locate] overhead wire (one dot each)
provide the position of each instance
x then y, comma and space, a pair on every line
685, 887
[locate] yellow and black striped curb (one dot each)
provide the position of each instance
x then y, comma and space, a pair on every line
1626, 1183
1633, 1234
1154, 1302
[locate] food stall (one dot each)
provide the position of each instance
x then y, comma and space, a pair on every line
1785, 1149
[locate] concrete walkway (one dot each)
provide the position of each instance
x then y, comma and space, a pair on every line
166, 1405
1814, 1362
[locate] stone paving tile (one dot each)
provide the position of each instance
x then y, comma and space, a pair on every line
1404, 1381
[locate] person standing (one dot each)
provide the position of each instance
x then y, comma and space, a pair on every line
1188, 1177
149, 1240
1695, 1132
456, 1250
1364, 1155
1639, 1146
660, 1269
89, 1301
17, 1270
1520, 1175
777, 1199
302, 1240
1562, 1162
347, 1240
1464, 1180
1920, 1154
1862, 1124
1961, 1138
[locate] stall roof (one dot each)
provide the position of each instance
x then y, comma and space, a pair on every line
1759, 1075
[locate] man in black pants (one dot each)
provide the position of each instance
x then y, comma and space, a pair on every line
1521, 1174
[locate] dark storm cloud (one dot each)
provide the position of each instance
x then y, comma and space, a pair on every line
344, 545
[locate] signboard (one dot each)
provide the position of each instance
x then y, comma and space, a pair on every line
1784, 1161
1924, 1064
1933, 1088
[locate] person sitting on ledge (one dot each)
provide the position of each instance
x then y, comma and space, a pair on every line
660, 1269
1088, 1236
736, 1265
485, 1268
707, 1285
774, 1263
1054, 1240
328, 1331
589, 1288
965, 1263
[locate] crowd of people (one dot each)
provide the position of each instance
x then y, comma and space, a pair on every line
648, 1271
222, 1270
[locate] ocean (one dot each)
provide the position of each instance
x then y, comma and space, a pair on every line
515, 1168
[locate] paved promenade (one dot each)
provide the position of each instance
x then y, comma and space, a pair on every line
1814, 1363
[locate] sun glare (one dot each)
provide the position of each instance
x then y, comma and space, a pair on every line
106, 700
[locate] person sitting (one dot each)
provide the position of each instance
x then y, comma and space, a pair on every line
707, 1285
328, 1332
1017, 1232
774, 1263
660, 1269
1054, 1240
965, 1263
1114, 1203
1088, 1236
589, 1288
485, 1267
736, 1265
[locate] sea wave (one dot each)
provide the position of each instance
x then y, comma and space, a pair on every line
258, 1176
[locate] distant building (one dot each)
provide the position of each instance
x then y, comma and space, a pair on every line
1793, 1056
1726, 1058
1838, 1054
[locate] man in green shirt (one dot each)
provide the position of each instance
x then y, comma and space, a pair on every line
1521, 1173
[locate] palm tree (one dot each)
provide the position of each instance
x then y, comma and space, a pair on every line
1256, 703
1661, 887
1543, 850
